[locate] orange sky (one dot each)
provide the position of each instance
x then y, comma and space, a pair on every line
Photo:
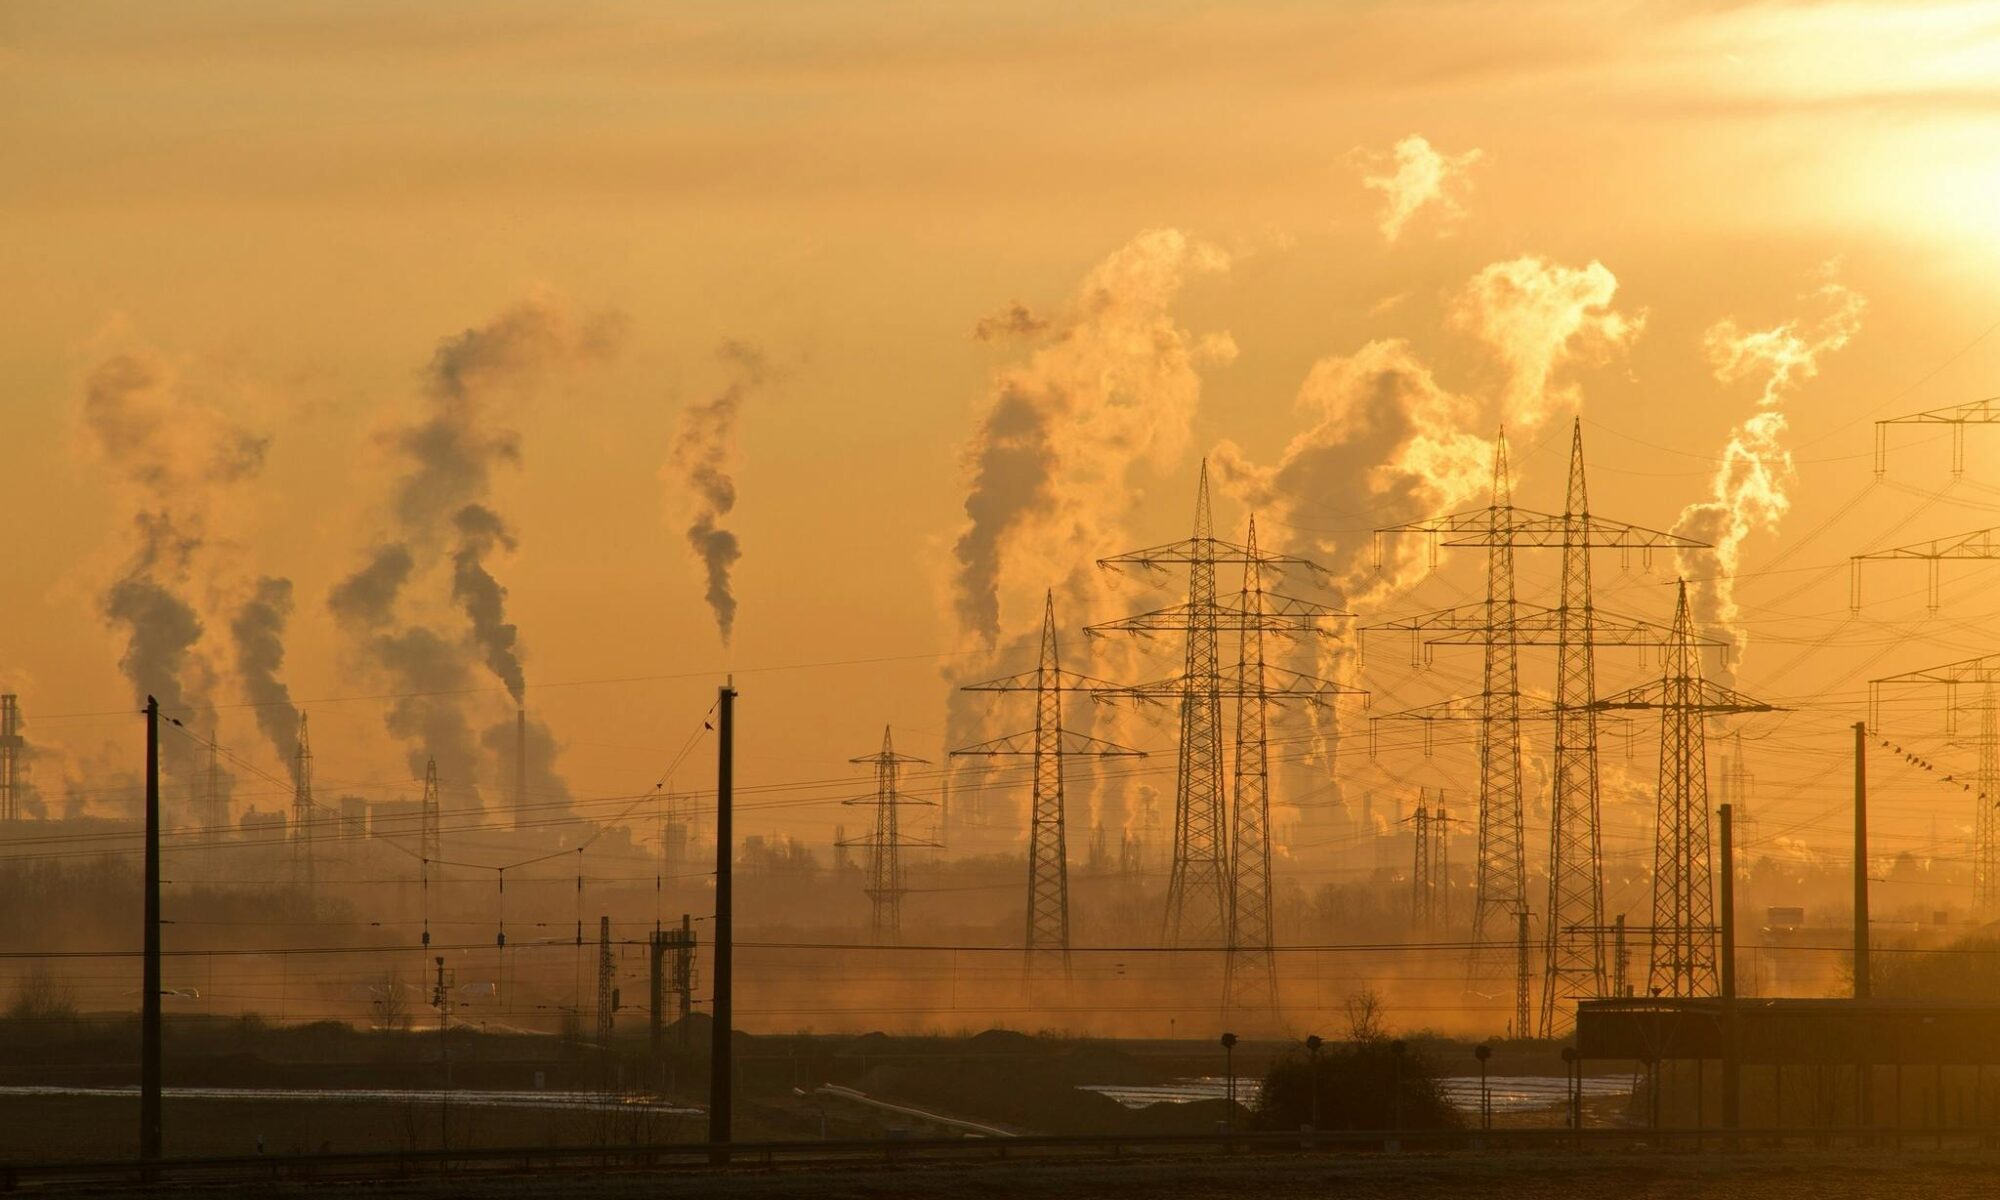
288, 208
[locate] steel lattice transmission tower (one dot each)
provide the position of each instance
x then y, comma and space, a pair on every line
1047, 937
607, 973
1250, 972
11, 744
302, 809
885, 845
1220, 889
1573, 944
1575, 966
1684, 926
1982, 672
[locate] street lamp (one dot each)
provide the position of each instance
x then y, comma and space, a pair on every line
1396, 1091
1229, 1067
1482, 1053
1313, 1043
1573, 1080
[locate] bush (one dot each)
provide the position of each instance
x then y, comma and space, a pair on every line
1359, 1084
43, 997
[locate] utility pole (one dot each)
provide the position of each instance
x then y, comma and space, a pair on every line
719, 1052
1684, 962
885, 864
1522, 975
1861, 981
1731, 1047
441, 999
150, 981
1047, 745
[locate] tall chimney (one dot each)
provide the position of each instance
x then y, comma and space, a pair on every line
520, 764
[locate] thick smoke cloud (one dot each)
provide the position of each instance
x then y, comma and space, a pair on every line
444, 526
1412, 176
258, 630
1750, 488
482, 598
1111, 383
174, 457
704, 455
1103, 386
1539, 317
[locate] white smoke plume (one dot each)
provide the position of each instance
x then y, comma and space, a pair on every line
444, 525
175, 456
704, 456
1539, 317
1385, 442
1111, 383
1750, 489
1107, 383
1411, 176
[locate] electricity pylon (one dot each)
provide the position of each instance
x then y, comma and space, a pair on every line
1958, 416
1198, 886
1430, 868
302, 810
1684, 927
1048, 932
1237, 867
1574, 956
1982, 672
885, 865
607, 974
429, 841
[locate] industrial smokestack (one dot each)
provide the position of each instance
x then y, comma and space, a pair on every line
520, 764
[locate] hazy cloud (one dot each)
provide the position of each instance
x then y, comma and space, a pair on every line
1412, 176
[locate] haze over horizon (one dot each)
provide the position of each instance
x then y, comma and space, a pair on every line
394, 365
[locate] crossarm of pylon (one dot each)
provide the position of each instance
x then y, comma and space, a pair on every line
1711, 698
1976, 545
1514, 526
1535, 625
1958, 416
1278, 614
1975, 412
1280, 684
1029, 681
1207, 550
891, 798
1984, 669
1473, 708
1075, 744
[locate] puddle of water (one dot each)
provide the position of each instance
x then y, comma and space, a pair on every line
1509, 1093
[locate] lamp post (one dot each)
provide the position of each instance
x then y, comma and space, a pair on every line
1313, 1043
1482, 1053
1229, 1069
1574, 1082
1396, 1088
